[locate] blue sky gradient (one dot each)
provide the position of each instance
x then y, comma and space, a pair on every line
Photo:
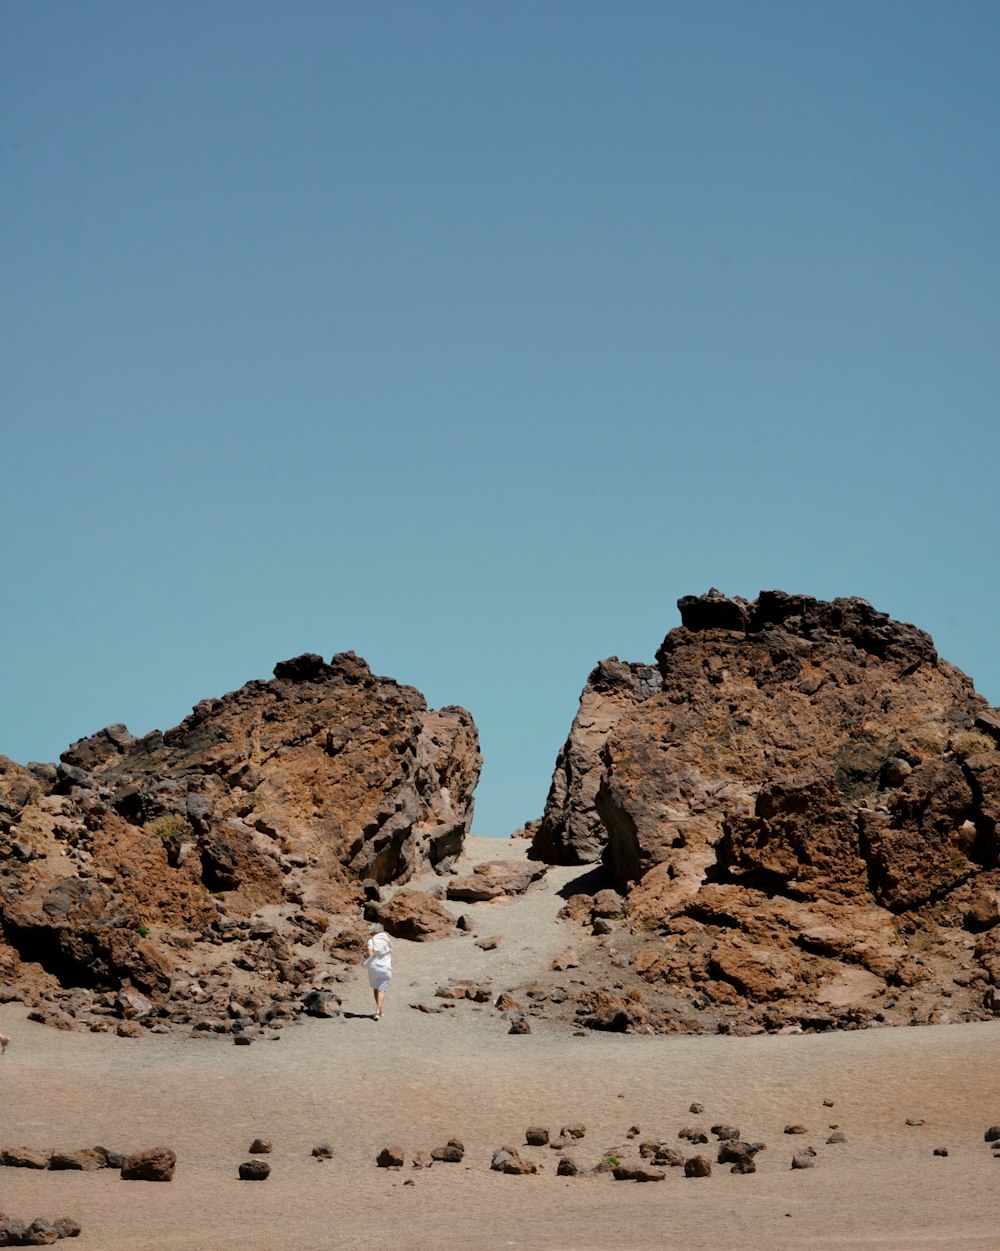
470, 336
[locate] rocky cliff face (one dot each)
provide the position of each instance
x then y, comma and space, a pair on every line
571, 831
805, 812
251, 824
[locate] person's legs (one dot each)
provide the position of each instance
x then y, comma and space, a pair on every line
4, 1040
379, 998
376, 994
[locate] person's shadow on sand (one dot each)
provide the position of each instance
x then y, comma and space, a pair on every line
359, 1016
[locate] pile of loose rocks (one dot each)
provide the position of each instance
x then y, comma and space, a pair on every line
153, 1164
37, 1233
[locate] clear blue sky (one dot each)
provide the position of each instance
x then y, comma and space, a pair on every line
471, 335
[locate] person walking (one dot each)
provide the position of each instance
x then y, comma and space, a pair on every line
378, 962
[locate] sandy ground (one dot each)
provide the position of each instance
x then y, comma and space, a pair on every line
419, 1079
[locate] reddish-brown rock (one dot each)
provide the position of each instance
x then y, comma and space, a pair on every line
414, 915
155, 1164
803, 809
494, 879
275, 799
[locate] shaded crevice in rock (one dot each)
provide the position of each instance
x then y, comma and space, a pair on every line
86, 967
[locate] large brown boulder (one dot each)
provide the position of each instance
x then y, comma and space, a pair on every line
251, 823
801, 806
494, 879
154, 1164
412, 914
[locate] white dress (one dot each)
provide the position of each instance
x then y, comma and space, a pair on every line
379, 962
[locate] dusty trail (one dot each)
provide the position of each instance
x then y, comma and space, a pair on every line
418, 1079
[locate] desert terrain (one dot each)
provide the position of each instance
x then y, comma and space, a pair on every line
418, 1079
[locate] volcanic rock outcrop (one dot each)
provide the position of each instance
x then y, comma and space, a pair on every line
802, 804
247, 827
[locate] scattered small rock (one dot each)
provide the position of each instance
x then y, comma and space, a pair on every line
40, 1233
452, 1153
423, 1159
566, 1167
732, 1151
914, 1120
85, 1161
697, 1166
728, 1131
607, 903
835, 1137
796, 1129
450, 992
669, 1156
745, 1164
991, 1135
25, 1157
12, 1231
827, 1103
260, 1146
507, 1160
154, 1164
536, 1136
569, 959
636, 1170
633, 1131
112, 1159
322, 1003
940, 1151
390, 1157
323, 1151
520, 1026
696, 1109
802, 1160
255, 1170
490, 943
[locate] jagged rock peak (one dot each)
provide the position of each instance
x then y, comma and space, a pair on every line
852, 618
344, 666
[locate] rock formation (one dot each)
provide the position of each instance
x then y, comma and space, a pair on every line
571, 831
249, 825
802, 804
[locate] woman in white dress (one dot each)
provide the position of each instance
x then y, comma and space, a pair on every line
379, 965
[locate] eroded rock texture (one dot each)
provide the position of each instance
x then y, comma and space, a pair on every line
249, 825
571, 831
804, 816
